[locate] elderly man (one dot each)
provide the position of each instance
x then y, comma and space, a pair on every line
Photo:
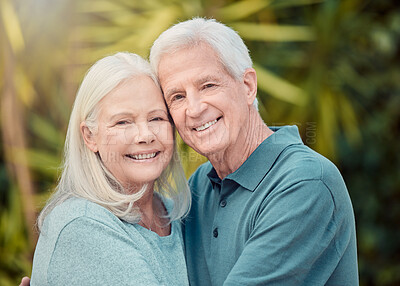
267, 210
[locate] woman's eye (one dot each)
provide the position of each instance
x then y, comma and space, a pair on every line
122, 122
157, 119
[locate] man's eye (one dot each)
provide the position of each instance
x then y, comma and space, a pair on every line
208, 85
177, 97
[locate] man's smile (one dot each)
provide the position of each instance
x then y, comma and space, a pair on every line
207, 125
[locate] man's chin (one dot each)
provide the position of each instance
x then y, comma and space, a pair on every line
209, 146
207, 151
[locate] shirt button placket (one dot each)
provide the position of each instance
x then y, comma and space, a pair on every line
222, 203
215, 232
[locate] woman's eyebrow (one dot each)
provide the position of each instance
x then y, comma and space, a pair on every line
158, 110
120, 114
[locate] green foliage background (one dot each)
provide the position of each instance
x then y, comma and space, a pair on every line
331, 67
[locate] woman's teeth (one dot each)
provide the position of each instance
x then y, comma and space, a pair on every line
144, 156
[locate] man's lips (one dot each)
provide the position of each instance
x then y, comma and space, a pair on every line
207, 125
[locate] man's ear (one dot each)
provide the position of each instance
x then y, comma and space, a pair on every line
88, 137
250, 82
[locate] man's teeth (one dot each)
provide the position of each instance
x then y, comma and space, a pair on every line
205, 126
144, 156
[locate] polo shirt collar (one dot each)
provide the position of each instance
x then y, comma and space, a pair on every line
254, 169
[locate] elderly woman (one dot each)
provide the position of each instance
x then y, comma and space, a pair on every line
114, 218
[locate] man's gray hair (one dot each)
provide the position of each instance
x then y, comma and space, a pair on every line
227, 44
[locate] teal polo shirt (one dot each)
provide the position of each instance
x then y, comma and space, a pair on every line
284, 217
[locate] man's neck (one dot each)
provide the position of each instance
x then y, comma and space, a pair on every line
231, 159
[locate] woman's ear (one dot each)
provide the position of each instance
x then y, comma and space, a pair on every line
88, 137
250, 82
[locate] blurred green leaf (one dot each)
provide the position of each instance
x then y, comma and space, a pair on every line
278, 33
12, 26
46, 131
280, 4
279, 87
101, 6
44, 162
241, 9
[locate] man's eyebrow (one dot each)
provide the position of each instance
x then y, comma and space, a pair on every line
169, 92
205, 79
172, 91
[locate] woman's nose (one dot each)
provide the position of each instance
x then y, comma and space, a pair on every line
145, 134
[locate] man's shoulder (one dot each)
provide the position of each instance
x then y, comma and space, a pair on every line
200, 175
304, 163
298, 165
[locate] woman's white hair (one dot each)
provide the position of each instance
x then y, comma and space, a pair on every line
227, 44
84, 174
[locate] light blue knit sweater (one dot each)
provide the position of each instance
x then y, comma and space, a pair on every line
82, 243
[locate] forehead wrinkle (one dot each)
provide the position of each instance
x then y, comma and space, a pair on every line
137, 113
158, 110
120, 114
205, 79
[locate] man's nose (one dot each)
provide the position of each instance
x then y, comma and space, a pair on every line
195, 105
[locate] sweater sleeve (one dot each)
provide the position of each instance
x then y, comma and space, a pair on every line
89, 252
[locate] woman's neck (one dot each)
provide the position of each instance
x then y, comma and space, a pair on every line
154, 214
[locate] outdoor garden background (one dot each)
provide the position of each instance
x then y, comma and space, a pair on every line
331, 67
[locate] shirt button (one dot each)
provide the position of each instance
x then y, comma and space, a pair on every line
222, 203
215, 232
